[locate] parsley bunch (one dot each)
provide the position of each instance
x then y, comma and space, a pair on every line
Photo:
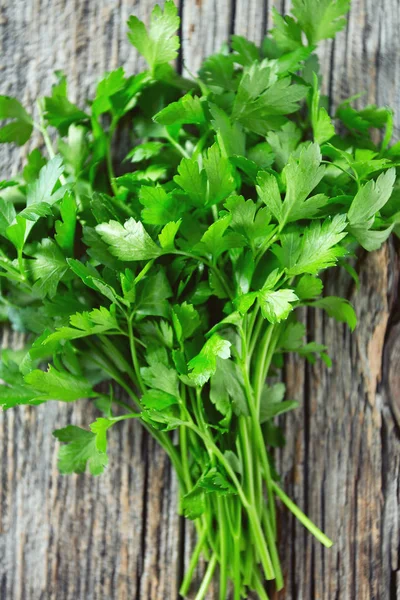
173, 273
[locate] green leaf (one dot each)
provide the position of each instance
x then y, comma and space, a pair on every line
261, 95
152, 296
75, 150
35, 161
7, 215
95, 322
80, 450
268, 191
194, 503
308, 287
272, 403
158, 400
320, 19
59, 385
160, 377
249, 220
215, 481
292, 337
286, 33
370, 198
59, 111
276, 306
319, 247
20, 128
48, 268
227, 389
167, 235
219, 174
41, 190
187, 110
321, 123
338, 308
186, 320
246, 51
371, 239
192, 180
215, 242
144, 151
161, 207
302, 176
230, 136
217, 71
284, 142
65, 229
158, 44
129, 241
204, 364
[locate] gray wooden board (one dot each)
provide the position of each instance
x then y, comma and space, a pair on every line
118, 537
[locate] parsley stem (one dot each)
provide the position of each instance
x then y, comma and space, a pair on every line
265, 245
223, 554
210, 265
253, 404
135, 361
145, 270
259, 368
249, 508
207, 578
110, 168
115, 354
259, 587
194, 559
200, 144
176, 144
270, 535
108, 368
21, 265
43, 130
298, 513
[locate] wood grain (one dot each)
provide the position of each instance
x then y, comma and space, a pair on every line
118, 536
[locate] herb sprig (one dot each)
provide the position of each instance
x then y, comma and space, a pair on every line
175, 273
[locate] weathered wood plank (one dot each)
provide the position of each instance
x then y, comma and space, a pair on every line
118, 536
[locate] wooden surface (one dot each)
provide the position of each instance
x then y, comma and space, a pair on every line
117, 537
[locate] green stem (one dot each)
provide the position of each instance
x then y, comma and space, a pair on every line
176, 145
21, 265
253, 402
207, 578
194, 559
115, 355
144, 271
223, 550
135, 360
249, 508
200, 144
110, 168
237, 580
108, 368
270, 535
266, 244
259, 368
259, 587
211, 266
43, 130
298, 513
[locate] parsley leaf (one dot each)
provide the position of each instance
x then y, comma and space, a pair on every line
320, 19
158, 44
204, 364
20, 129
129, 241
83, 448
